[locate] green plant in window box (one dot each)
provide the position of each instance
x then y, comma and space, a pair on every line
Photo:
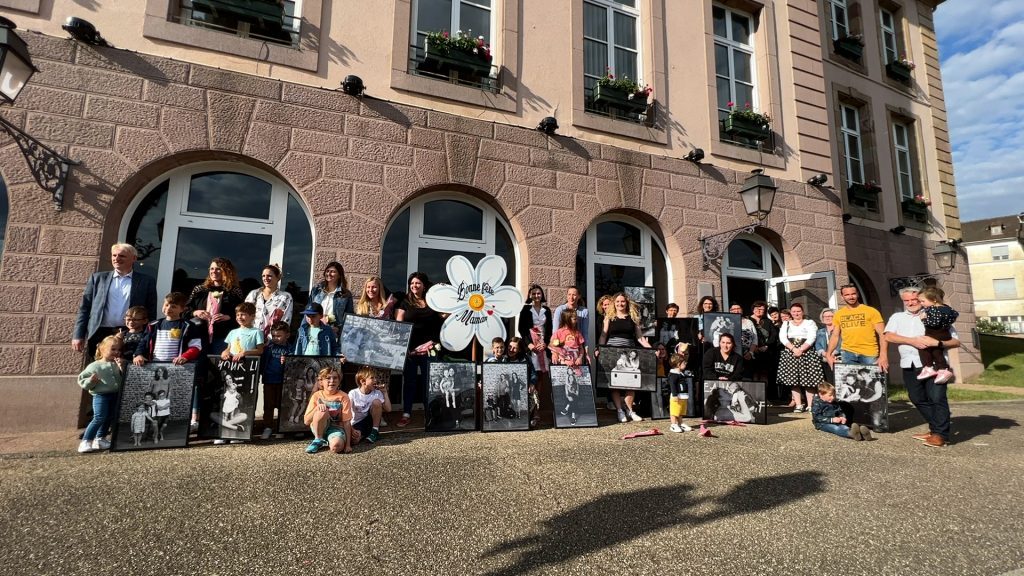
917, 207
863, 194
461, 53
622, 93
900, 69
850, 46
748, 123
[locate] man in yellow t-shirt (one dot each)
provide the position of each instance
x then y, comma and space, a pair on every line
860, 326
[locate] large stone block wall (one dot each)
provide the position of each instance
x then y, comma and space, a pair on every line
355, 162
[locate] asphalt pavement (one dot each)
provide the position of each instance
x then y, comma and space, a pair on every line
775, 499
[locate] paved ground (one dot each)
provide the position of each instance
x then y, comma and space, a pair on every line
776, 499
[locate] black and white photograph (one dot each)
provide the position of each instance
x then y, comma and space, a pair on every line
572, 397
626, 368
300, 381
717, 323
671, 331
228, 409
659, 400
505, 398
155, 407
862, 390
644, 298
451, 397
726, 400
375, 342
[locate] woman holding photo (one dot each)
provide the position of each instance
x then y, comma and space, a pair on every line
332, 294
622, 328
372, 302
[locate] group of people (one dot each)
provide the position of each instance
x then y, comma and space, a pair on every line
117, 323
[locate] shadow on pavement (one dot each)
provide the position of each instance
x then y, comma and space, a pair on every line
968, 427
616, 518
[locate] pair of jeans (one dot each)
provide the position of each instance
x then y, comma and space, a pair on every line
841, 430
416, 376
930, 400
853, 358
102, 412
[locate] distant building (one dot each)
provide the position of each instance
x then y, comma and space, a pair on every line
995, 252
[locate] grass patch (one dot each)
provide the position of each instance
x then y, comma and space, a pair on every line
956, 394
1006, 371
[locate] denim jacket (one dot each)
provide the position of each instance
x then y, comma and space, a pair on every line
328, 345
342, 304
821, 341
823, 412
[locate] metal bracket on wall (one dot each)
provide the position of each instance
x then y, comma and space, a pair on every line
714, 246
918, 281
48, 167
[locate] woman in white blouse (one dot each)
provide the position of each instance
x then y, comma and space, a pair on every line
799, 365
272, 303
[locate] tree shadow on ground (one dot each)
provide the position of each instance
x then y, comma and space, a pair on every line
969, 427
623, 516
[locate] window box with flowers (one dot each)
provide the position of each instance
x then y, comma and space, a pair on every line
746, 123
864, 195
916, 208
900, 69
622, 93
461, 57
851, 47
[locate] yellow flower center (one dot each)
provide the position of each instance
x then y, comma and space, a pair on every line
476, 302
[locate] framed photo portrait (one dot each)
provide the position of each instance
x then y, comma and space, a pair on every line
451, 397
300, 381
726, 400
863, 390
572, 397
505, 398
229, 409
626, 368
375, 342
155, 407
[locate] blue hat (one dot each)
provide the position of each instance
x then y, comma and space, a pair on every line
313, 308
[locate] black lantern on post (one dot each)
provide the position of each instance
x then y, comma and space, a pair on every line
48, 167
15, 63
758, 193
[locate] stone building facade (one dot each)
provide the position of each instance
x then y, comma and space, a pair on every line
148, 114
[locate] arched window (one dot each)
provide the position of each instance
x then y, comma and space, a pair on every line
192, 214
618, 251
748, 265
435, 227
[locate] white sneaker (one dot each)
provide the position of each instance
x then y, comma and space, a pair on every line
383, 422
686, 428
267, 433
100, 444
193, 426
220, 441
635, 417
676, 428
85, 447
622, 416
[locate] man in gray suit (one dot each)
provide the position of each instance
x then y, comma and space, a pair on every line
107, 297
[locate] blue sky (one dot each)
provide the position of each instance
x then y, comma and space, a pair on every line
981, 43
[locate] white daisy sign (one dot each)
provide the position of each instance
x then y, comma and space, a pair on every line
475, 301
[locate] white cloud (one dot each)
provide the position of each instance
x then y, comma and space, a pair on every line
983, 78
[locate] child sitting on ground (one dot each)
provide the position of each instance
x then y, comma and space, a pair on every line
497, 351
680, 382
329, 414
246, 340
369, 402
828, 416
937, 318
272, 366
102, 379
137, 321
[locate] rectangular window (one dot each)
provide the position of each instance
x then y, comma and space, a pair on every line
473, 19
996, 229
889, 39
735, 79
838, 19
1004, 288
276, 22
901, 141
853, 153
1001, 252
611, 45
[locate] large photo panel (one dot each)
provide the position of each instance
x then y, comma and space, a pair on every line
155, 407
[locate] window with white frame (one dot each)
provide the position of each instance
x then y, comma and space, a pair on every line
853, 152
473, 18
277, 22
1001, 252
1004, 287
890, 43
611, 41
838, 19
734, 59
901, 141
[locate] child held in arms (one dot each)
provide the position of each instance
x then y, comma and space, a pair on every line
369, 402
828, 416
938, 319
329, 415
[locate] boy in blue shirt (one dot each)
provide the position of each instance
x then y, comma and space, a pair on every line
315, 338
272, 365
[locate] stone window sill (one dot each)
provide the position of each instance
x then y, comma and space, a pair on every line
619, 127
30, 6
505, 100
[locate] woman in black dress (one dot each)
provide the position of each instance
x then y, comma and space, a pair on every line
622, 328
426, 331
